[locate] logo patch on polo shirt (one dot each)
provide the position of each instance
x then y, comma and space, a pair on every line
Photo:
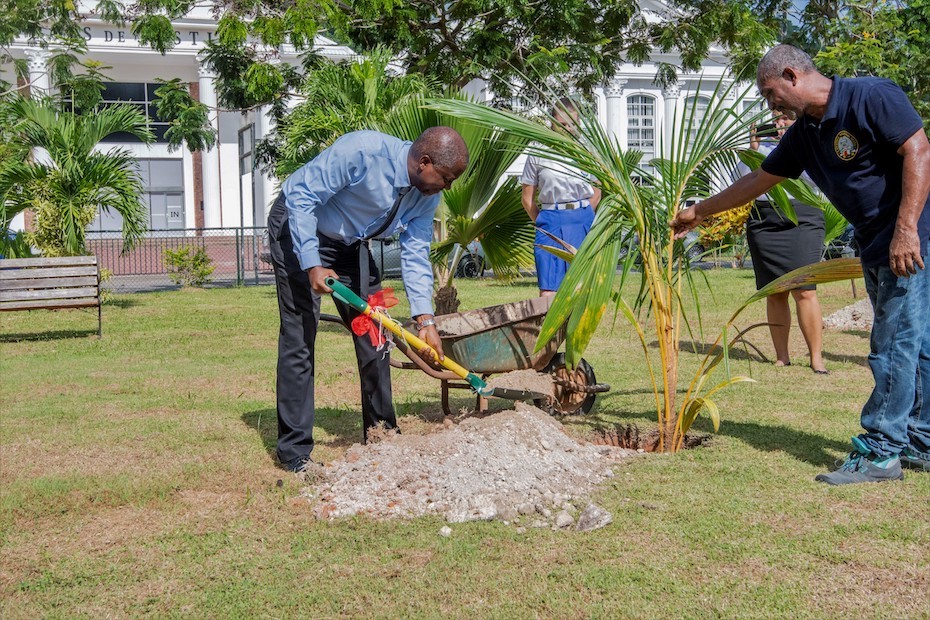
845, 145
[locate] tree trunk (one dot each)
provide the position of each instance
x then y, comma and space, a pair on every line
447, 300
671, 374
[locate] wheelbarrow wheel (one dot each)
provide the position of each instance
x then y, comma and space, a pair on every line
568, 401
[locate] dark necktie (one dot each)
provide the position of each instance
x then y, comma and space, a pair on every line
364, 253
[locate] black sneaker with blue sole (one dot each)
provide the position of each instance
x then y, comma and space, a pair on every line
858, 468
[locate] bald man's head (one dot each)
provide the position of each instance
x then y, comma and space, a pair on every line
437, 157
782, 57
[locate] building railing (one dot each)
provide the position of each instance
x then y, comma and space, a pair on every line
234, 252
240, 256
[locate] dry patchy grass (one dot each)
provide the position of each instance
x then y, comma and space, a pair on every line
138, 478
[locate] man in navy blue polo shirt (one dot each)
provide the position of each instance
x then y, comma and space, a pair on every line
863, 144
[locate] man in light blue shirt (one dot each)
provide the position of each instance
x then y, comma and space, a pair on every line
366, 185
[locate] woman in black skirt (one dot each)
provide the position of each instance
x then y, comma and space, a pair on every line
778, 246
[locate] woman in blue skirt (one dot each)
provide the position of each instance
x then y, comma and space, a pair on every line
560, 200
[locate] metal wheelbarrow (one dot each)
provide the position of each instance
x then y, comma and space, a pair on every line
500, 339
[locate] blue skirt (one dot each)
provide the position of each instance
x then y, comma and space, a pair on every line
570, 226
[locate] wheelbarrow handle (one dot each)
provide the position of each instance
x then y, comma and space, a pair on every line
346, 296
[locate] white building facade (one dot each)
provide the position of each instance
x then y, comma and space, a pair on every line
220, 188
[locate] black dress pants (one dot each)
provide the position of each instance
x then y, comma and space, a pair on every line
299, 308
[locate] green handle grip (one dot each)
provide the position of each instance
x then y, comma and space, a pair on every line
346, 296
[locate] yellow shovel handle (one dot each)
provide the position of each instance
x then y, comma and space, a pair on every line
342, 292
415, 342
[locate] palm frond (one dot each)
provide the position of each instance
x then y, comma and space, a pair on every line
637, 204
477, 206
72, 180
817, 273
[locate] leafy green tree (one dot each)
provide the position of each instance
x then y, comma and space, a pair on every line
505, 41
77, 80
39, 20
885, 39
68, 180
337, 99
577, 41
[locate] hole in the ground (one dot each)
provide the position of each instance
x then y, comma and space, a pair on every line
631, 437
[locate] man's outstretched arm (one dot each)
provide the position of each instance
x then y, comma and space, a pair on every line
742, 191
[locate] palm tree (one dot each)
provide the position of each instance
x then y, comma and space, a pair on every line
339, 98
478, 206
636, 209
68, 180
364, 95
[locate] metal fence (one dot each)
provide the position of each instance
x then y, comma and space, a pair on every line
240, 257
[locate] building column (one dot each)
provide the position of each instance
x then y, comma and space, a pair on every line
270, 186
613, 91
212, 200
40, 82
670, 94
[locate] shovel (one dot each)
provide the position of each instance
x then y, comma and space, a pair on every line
346, 296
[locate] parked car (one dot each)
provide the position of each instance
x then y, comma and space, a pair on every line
387, 257
842, 246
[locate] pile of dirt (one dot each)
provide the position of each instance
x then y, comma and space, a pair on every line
528, 380
858, 316
517, 466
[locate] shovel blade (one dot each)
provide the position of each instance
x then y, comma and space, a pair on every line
513, 393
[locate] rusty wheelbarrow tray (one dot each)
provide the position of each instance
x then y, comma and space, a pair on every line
500, 339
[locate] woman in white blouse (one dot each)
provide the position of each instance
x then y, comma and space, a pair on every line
560, 200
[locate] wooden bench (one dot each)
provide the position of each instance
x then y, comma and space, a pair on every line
51, 284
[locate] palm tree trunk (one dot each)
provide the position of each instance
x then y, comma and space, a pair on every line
446, 298
671, 383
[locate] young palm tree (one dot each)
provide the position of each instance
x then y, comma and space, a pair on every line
478, 206
68, 180
636, 208
339, 98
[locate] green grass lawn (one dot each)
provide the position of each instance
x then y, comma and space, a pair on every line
137, 476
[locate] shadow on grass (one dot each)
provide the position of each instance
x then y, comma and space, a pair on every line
55, 335
526, 282
807, 447
738, 352
121, 302
861, 333
753, 354
642, 390
859, 360
343, 428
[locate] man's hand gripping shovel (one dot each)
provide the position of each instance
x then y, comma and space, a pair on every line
346, 296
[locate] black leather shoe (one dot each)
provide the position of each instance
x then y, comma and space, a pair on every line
297, 465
